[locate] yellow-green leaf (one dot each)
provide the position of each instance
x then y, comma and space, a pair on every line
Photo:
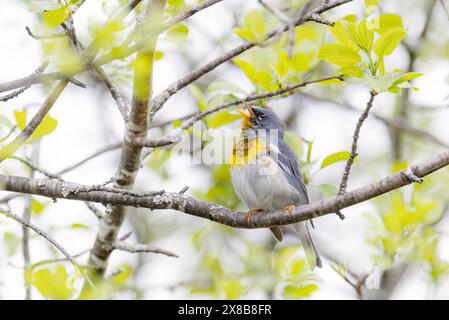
12, 242
46, 127
21, 119
407, 77
339, 54
179, 31
37, 206
389, 41
354, 71
54, 18
299, 291
335, 157
53, 283
389, 21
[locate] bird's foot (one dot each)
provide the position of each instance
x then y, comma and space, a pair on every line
290, 209
251, 212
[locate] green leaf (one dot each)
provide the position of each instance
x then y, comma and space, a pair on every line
360, 35
340, 55
175, 2
37, 206
21, 119
389, 21
292, 291
340, 35
53, 283
158, 55
371, 3
407, 77
232, 287
354, 71
47, 126
254, 26
54, 18
254, 21
124, 274
335, 157
221, 118
79, 226
389, 41
12, 242
178, 32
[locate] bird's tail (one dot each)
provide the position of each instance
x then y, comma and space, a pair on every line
312, 256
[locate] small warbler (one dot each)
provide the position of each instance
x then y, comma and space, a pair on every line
266, 176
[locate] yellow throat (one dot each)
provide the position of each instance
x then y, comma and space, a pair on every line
246, 151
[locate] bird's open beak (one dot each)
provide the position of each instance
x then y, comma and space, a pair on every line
247, 117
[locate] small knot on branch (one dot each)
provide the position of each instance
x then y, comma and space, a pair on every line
409, 176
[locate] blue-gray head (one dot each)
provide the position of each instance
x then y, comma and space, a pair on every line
259, 118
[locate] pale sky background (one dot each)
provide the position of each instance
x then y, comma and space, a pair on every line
88, 120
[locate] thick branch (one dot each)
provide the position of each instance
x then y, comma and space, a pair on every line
214, 212
136, 128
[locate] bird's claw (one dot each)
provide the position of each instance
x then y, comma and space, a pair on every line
289, 209
250, 214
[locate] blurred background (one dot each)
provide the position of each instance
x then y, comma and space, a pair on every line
393, 247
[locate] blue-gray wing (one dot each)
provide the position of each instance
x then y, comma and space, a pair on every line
288, 162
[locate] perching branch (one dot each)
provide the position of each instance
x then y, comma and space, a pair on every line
214, 212
363, 117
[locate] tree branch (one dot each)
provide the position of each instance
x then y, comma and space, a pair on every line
363, 117
34, 75
26, 133
41, 233
158, 101
29, 81
214, 212
138, 248
136, 128
198, 115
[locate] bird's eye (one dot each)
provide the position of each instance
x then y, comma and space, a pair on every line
260, 117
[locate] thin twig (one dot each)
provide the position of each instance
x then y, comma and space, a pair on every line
355, 140
158, 101
35, 167
137, 247
110, 147
41, 233
26, 133
34, 75
44, 36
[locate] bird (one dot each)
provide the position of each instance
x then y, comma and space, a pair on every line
266, 176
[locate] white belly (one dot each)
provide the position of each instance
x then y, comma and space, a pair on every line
262, 185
